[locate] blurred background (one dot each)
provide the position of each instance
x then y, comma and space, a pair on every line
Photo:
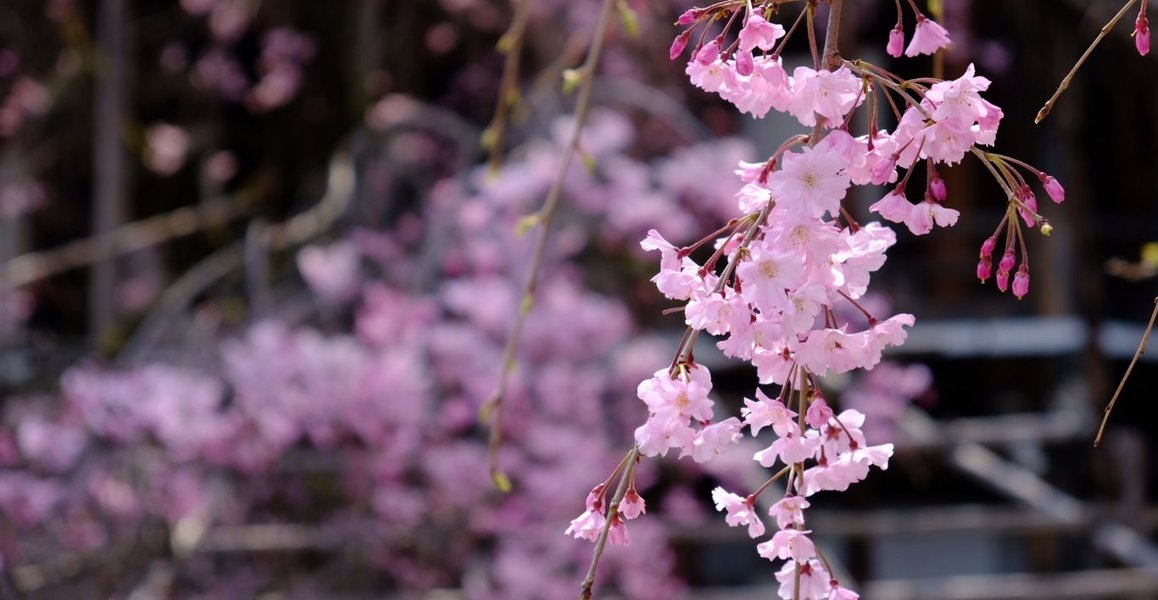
256, 278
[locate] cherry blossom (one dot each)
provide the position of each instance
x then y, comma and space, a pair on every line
928, 37
814, 580
741, 511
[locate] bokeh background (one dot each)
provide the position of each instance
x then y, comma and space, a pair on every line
256, 280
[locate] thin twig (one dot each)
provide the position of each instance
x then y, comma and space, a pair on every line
492, 408
1137, 355
510, 44
28, 268
1065, 82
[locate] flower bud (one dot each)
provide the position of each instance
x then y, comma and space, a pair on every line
709, 53
1028, 209
937, 187
988, 246
678, 44
896, 42
1054, 189
1006, 263
984, 269
689, 16
744, 63
1021, 282
1002, 280
595, 498
1142, 33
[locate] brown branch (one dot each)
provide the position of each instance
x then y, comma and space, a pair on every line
28, 268
1065, 82
511, 44
492, 408
1122, 383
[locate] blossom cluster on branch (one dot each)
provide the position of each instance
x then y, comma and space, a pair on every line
792, 260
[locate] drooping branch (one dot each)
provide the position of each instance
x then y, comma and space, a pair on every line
493, 407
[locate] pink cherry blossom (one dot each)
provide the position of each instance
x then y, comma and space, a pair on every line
740, 511
617, 533
767, 87
759, 33
865, 254
827, 94
716, 314
789, 511
587, 525
893, 206
660, 434
632, 505
815, 580
811, 182
788, 543
713, 76
928, 37
790, 449
765, 411
768, 273
712, 440
818, 413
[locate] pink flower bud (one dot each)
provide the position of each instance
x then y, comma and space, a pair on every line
595, 498
988, 246
1021, 282
709, 53
1028, 209
896, 43
984, 269
1054, 189
1002, 280
689, 16
937, 187
744, 63
1006, 263
678, 44
1142, 32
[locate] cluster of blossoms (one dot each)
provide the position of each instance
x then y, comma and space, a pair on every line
787, 268
361, 422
